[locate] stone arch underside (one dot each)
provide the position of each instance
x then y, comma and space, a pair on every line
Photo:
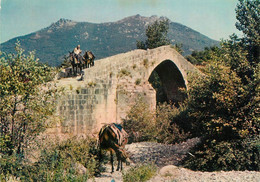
171, 82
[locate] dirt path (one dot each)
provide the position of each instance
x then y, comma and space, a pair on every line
167, 158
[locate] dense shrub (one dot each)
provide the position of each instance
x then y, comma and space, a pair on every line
64, 161
142, 124
27, 99
140, 173
59, 161
171, 125
224, 107
211, 155
224, 101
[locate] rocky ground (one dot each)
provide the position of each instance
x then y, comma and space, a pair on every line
167, 158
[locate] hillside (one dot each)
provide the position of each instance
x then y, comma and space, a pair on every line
104, 39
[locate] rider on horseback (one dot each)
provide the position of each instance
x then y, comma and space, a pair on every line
77, 52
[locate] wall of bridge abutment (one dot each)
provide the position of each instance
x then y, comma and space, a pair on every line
110, 88
83, 110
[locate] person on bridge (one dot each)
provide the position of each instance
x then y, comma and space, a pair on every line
77, 52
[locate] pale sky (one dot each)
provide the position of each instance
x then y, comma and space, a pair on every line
213, 18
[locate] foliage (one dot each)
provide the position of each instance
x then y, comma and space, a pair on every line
167, 125
156, 34
248, 16
138, 81
66, 62
225, 110
27, 99
142, 124
58, 162
212, 155
140, 173
178, 48
139, 123
123, 73
10, 165
202, 57
215, 98
146, 63
224, 101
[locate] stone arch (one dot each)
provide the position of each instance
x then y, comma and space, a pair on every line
168, 81
104, 97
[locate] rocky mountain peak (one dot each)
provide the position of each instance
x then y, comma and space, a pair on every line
61, 23
139, 18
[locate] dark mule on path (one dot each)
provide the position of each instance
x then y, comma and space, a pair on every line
113, 137
75, 63
89, 58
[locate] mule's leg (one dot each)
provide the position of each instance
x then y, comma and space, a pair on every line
78, 69
74, 70
81, 69
111, 160
119, 165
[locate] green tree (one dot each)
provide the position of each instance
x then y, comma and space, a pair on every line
201, 57
27, 99
224, 101
248, 16
224, 111
178, 48
156, 34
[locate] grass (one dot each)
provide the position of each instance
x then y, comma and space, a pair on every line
124, 72
140, 173
138, 81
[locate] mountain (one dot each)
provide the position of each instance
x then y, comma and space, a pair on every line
104, 39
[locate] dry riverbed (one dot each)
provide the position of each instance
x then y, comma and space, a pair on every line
167, 158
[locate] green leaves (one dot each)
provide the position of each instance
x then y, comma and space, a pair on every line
225, 100
248, 16
26, 100
156, 35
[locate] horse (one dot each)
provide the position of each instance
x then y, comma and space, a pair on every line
89, 58
113, 137
75, 63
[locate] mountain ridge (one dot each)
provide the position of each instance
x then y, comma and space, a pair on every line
103, 39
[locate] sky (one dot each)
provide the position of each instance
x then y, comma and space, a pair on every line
213, 18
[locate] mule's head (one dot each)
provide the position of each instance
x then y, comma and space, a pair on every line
85, 55
70, 56
124, 156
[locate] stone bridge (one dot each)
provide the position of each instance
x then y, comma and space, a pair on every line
112, 86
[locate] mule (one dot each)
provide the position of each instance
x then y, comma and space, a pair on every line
112, 137
89, 58
75, 63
